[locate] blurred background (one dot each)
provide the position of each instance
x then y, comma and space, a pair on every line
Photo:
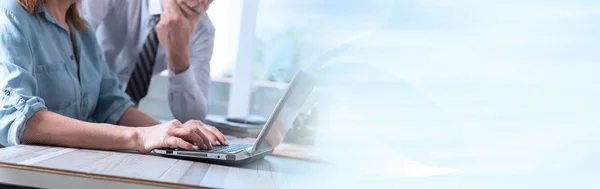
507, 89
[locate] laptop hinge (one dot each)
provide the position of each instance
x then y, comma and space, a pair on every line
256, 152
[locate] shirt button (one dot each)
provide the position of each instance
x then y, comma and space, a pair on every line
7, 92
72, 57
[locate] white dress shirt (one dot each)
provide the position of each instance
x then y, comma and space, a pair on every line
122, 27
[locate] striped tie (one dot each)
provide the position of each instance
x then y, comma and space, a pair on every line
139, 82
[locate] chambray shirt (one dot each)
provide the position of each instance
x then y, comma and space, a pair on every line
38, 70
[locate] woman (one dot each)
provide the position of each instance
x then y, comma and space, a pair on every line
57, 89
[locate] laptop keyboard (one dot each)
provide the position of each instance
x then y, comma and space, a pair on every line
228, 149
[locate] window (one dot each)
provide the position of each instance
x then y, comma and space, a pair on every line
277, 38
284, 35
226, 18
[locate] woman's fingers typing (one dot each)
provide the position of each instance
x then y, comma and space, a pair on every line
219, 138
190, 135
180, 143
173, 134
212, 134
207, 141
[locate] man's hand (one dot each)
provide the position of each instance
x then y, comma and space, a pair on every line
175, 29
194, 8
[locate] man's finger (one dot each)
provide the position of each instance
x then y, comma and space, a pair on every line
191, 3
189, 12
195, 5
209, 2
171, 6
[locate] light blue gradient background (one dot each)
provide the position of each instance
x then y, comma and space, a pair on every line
504, 91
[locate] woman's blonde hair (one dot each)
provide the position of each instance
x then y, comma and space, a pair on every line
72, 14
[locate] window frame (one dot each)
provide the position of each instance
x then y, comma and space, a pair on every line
240, 93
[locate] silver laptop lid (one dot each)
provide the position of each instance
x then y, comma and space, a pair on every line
285, 112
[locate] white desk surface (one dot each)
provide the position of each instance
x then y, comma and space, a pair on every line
57, 167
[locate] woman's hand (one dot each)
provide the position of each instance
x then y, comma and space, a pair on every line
213, 134
171, 134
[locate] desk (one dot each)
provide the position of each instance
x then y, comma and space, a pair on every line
57, 167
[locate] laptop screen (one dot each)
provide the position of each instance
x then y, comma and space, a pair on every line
288, 108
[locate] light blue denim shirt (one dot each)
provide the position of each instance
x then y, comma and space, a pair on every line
38, 70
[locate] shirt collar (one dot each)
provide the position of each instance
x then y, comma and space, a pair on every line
154, 7
40, 7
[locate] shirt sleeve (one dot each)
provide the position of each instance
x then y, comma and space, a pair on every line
112, 99
188, 91
95, 11
19, 94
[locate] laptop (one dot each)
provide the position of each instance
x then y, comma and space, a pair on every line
271, 135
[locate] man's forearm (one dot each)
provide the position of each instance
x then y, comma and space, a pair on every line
189, 76
46, 127
186, 99
179, 60
190, 104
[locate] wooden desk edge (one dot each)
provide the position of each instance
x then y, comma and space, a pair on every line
100, 177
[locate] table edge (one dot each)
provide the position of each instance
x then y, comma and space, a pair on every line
99, 176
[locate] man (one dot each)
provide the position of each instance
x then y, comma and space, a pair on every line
140, 39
